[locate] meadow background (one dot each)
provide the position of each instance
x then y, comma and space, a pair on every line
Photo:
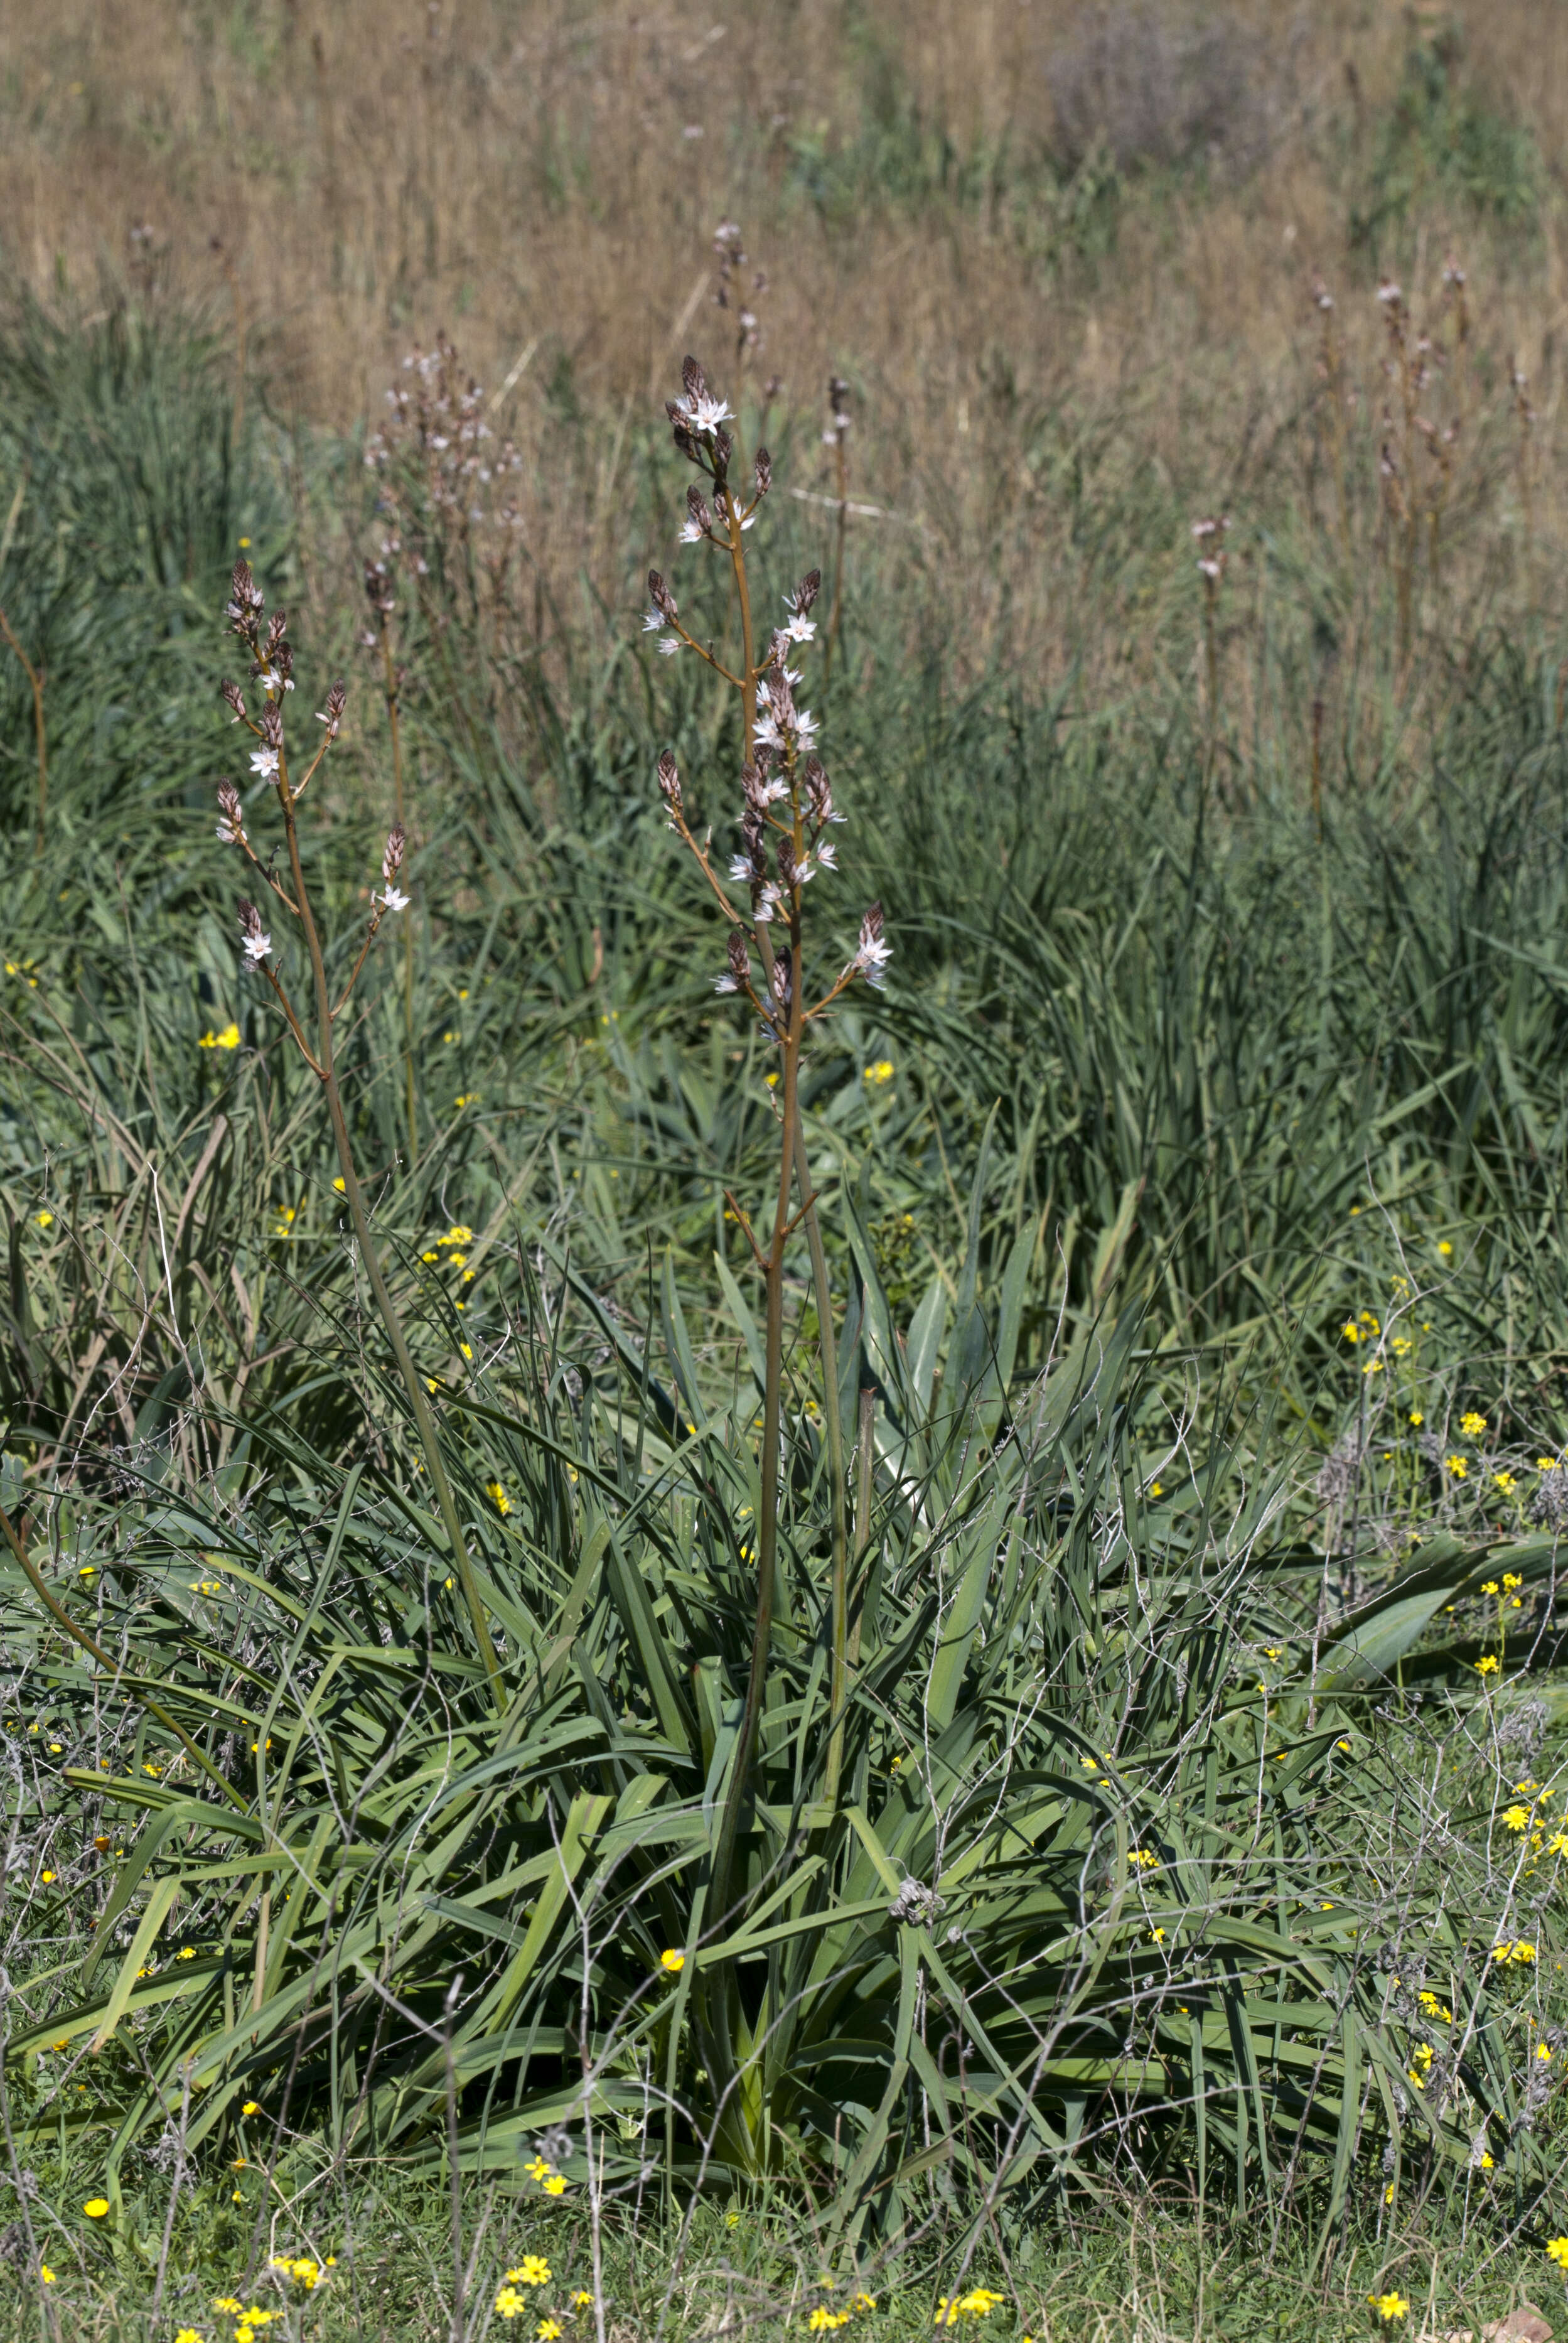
1192, 1197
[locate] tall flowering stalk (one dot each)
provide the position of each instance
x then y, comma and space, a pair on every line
272, 673
786, 820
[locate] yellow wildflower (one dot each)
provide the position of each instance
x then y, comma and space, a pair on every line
1390, 2307
1472, 1425
1456, 1465
96, 2208
672, 1961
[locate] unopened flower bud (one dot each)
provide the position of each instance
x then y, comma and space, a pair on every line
763, 471
663, 600
806, 591
783, 974
670, 781
235, 698
245, 604
392, 860
231, 828
272, 724
739, 976
332, 714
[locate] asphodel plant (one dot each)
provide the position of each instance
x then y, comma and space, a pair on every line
785, 819
272, 676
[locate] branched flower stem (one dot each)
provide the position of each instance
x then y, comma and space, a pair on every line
417, 1400
273, 666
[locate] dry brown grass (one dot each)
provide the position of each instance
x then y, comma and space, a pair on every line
1042, 412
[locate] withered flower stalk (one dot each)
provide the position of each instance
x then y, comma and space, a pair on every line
272, 671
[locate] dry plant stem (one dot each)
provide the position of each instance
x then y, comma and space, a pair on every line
865, 1461
232, 279
841, 467
389, 674
175, 2187
119, 1674
1212, 677
839, 1596
425, 1421
36, 678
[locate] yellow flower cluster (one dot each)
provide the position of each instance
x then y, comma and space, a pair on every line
1518, 1951
227, 1039
1139, 1859
498, 1498
304, 2272
978, 2303
1558, 2250
514, 2304
248, 2324
1389, 2307
554, 2183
